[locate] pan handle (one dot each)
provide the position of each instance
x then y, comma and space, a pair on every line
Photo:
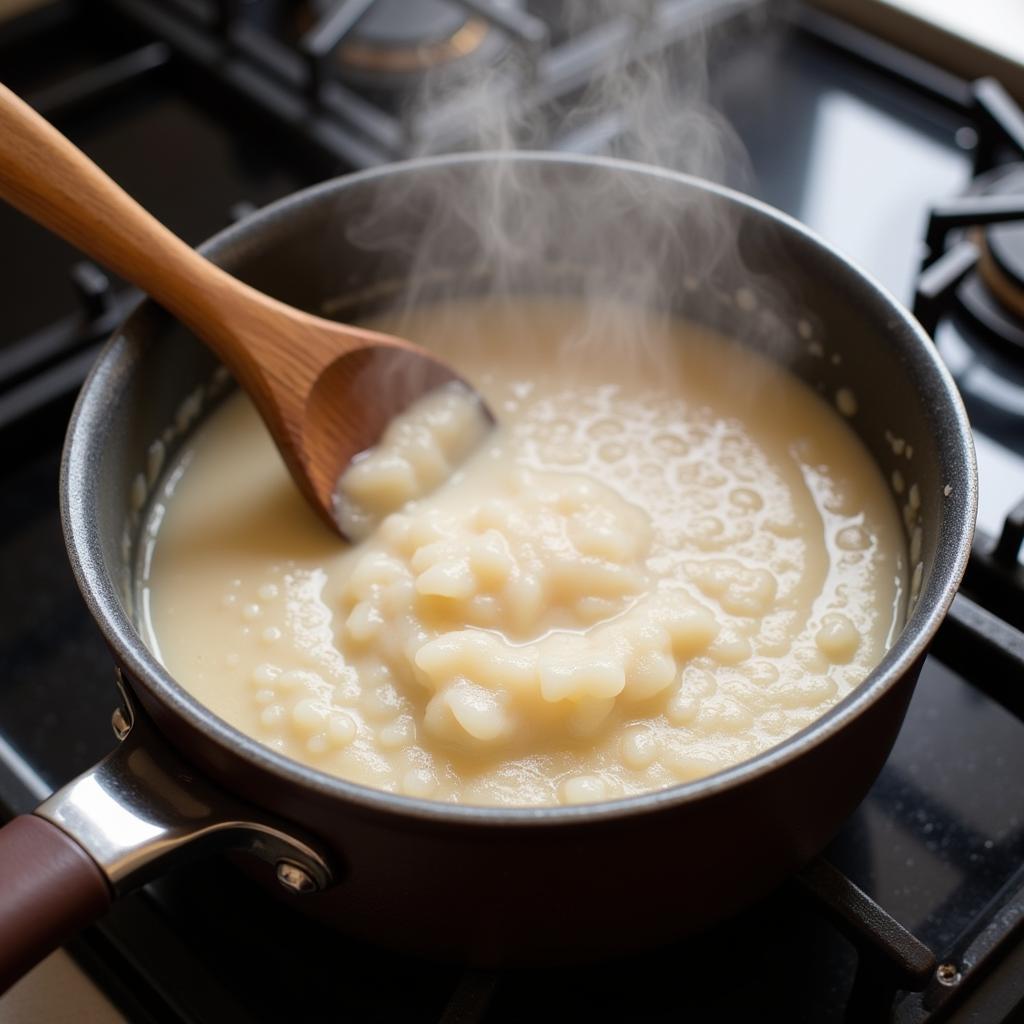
51, 889
141, 810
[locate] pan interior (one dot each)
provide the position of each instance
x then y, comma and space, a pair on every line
824, 321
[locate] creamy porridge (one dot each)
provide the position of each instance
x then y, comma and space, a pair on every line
419, 451
667, 557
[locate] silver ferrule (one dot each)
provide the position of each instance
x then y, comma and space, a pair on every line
142, 809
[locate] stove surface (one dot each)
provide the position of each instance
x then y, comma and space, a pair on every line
844, 146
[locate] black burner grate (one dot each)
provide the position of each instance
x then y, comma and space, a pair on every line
299, 84
951, 276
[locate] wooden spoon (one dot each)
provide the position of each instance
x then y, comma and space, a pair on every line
325, 390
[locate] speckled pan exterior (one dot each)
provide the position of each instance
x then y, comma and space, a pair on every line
497, 885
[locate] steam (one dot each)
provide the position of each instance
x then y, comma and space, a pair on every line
631, 239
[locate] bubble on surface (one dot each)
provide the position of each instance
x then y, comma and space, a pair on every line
846, 402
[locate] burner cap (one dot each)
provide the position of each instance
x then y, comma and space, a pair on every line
398, 38
1002, 265
391, 25
993, 298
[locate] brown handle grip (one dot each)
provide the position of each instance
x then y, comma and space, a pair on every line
49, 889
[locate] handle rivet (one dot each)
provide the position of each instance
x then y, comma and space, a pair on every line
121, 723
294, 878
948, 975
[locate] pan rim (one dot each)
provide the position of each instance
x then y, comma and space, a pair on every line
78, 486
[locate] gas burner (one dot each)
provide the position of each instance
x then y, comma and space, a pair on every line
993, 296
973, 272
970, 294
396, 38
1002, 261
394, 43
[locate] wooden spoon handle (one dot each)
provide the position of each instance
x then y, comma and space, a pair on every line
47, 177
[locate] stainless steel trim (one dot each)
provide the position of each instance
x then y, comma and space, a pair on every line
142, 809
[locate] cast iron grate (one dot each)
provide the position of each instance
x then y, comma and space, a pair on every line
295, 82
1000, 141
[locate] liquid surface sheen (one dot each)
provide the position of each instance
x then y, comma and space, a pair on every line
668, 556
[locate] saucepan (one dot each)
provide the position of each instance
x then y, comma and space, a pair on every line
483, 885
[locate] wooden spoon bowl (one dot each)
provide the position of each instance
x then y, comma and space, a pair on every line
325, 390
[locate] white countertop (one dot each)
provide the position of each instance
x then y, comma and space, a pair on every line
971, 38
997, 25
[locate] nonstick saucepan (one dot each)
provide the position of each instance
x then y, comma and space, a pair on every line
484, 885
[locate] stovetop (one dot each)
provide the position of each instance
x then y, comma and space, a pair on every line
857, 141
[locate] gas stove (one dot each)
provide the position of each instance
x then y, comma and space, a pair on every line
914, 911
